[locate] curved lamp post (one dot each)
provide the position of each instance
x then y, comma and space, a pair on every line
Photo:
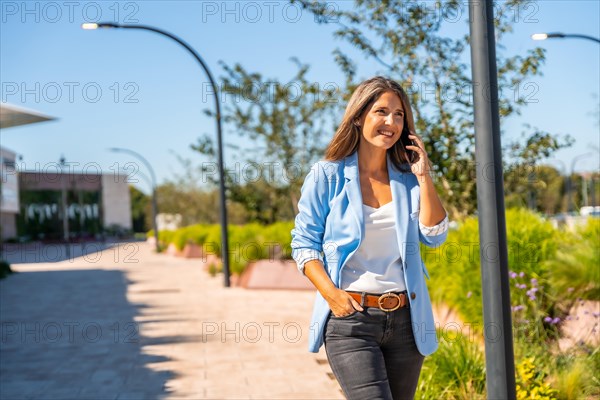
224, 235
558, 35
153, 183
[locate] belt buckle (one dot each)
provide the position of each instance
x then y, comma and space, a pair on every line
384, 296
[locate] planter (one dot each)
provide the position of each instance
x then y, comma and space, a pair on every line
274, 274
192, 250
172, 250
208, 260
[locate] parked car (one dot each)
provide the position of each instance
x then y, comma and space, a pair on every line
590, 211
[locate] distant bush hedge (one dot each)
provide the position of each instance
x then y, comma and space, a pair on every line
247, 243
549, 270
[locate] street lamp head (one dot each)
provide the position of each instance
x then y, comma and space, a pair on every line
115, 149
544, 36
560, 35
93, 25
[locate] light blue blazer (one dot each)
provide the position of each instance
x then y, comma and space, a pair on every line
330, 223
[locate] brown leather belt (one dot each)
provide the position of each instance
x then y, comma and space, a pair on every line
386, 302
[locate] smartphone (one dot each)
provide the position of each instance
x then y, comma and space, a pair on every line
411, 155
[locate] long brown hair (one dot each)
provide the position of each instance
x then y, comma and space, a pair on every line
347, 137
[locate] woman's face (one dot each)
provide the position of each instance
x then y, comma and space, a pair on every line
382, 123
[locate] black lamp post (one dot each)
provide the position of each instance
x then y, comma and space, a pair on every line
499, 354
224, 235
153, 180
558, 35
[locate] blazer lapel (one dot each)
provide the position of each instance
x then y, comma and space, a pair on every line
353, 190
401, 200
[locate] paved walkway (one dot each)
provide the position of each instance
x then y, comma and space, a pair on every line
125, 323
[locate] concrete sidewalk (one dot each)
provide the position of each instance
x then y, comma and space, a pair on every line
125, 323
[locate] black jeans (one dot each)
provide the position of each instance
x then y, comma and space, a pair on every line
373, 354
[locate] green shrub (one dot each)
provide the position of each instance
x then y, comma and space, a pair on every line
455, 371
166, 237
455, 273
197, 234
548, 270
212, 241
531, 381
576, 375
455, 266
574, 271
179, 238
247, 243
245, 246
278, 240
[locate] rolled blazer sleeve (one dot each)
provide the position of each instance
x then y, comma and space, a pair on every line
313, 208
434, 235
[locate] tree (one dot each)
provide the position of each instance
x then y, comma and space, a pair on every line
409, 41
528, 184
194, 196
285, 122
541, 186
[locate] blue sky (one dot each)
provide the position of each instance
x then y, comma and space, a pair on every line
137, 90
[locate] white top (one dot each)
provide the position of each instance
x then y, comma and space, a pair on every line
376, 266
306, 255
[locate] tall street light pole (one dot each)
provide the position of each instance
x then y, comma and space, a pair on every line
499, 357
559, 35
224, 234
153, 180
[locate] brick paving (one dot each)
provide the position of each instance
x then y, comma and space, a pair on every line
125, 323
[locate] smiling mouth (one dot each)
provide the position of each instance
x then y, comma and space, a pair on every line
386, 133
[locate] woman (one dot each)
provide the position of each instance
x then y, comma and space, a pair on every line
361, 216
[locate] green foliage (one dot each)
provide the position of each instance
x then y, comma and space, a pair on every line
534, 317
193, 234
245, 246
277, 236
215, 268
455, 273
577, 376
284, 124
455, 266
455, 371
575, 269
179, 238
212, 244
164, 237
531, 241
247, 243
531, 382
549, 270
411, 44
528, 184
